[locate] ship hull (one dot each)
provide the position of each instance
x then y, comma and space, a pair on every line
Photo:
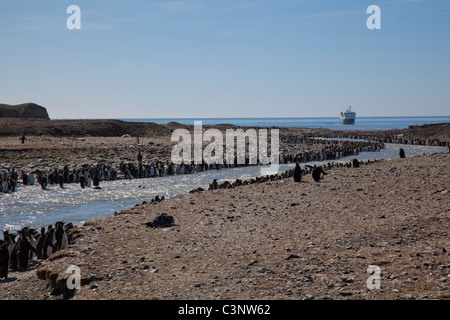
348, 121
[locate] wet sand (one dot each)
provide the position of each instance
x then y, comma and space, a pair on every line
272, 240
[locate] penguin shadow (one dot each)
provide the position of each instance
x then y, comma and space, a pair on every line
32, 266
7, 280
65, 294
318, 183
302, 182
68, 294
48, 190
165, 226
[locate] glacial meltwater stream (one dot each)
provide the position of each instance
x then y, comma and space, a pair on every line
34, 207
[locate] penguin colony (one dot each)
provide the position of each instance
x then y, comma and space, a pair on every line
16, 254
387, 138
87, 177
90, 177
317, 173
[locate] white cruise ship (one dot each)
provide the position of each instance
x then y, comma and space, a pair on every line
348, 117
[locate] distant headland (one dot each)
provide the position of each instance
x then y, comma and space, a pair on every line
24, 110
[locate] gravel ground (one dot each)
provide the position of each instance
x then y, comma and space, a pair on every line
274, 240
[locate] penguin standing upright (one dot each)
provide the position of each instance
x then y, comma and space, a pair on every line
298, 173
82, 181
33, 242
24, 178
23, 251
5, 185
11, 246
49, 243
4, 260
214, 185
23, 139
96, 182
40, 244
61, 180
62, 240
88, 181
12, 184
10, 240
44, 182
31, 179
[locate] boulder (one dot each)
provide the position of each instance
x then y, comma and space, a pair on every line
161, 221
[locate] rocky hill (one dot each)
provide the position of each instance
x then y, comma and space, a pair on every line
25, 110
440, 131
80, 128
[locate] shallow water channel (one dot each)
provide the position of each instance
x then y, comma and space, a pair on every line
34, 207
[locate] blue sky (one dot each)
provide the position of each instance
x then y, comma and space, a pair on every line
226, 58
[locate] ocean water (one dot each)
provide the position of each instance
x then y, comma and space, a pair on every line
34, 207
361, 123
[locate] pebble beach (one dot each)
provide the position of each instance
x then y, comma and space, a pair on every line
276, 239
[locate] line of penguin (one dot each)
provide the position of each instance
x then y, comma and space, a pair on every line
332, 150
91, 177
317, 173
389, 138
15, 254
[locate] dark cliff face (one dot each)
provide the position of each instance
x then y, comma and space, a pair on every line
25, 110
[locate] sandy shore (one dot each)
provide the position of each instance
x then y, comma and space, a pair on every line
273, 240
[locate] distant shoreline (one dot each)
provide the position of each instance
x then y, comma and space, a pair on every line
332, 123
10, 127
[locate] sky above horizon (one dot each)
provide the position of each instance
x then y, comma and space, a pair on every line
226, 58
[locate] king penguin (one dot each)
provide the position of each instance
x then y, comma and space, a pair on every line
40, 244
62, 240
4, 260
49, 243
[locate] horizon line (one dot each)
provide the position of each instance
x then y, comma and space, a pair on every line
234, 118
